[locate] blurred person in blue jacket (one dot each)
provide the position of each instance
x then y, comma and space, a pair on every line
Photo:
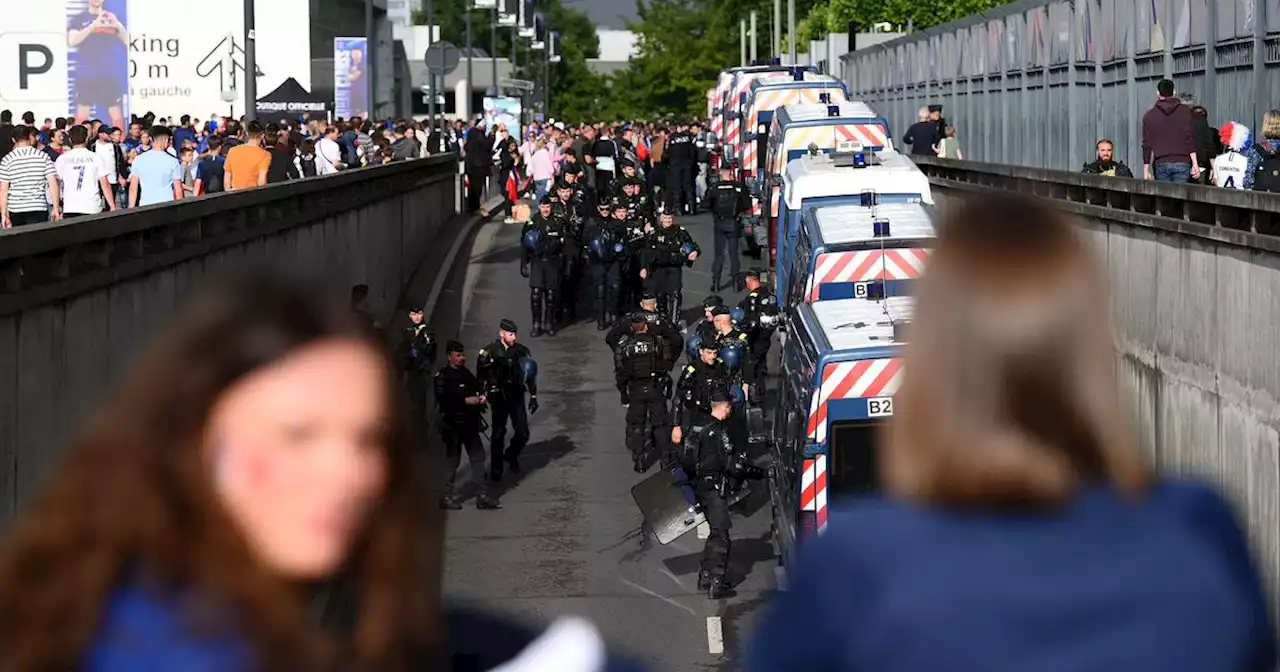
248, 500
1015, 526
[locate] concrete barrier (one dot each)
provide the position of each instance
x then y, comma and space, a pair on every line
78, 299
1195, 274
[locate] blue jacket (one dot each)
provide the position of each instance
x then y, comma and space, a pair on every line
145, 631
1161, 585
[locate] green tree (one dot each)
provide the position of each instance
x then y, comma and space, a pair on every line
920, 14
574, 87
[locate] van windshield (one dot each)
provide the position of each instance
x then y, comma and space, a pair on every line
852, 464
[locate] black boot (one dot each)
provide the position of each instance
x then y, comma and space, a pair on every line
674, 307
715, 285
738, 283
550, 312
718, 588
602, 313
704, 580
535, 308
450, 503
487, 502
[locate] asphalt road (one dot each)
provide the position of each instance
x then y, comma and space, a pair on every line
567, 540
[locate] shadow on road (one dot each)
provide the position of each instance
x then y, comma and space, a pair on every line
535, 456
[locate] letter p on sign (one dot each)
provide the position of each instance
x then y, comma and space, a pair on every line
33, 67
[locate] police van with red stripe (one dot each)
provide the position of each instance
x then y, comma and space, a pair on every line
852, 176
839, 372
850, 251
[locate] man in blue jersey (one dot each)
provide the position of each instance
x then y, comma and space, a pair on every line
102, 61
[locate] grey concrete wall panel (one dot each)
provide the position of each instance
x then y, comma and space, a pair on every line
78, 300
1037, 82
1195, 275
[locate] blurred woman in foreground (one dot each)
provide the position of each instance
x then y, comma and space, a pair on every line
1018, 528
247, 501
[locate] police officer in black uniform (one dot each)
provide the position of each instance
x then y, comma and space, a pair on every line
641, 372
670, 249
543, 263
704, 331
635, 243
728, 335
606, 251
681, 154
569, 210
503, 367
760, 319
584, 193
415, 355
691, 410
461, 400
729, 201
659, 326
716, 458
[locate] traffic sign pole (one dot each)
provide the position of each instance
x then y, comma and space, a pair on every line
250, 65
431, 75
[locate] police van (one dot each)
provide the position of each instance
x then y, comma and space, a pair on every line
838, 375
765, 96
851, 251
857, 177
796, 129
734, 106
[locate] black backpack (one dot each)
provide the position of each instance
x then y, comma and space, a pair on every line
1266, 177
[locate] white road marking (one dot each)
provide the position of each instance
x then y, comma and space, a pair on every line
715, 636
664, 598
671, 576
704, 530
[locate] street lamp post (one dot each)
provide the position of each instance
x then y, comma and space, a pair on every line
250, 65
470, 81
431, 76
493, 48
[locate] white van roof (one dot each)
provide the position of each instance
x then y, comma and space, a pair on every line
817, 176
850, 324
838, 224
818, 111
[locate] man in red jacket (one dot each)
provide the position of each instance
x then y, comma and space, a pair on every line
1168, 141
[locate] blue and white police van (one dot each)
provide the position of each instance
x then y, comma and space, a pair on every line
839, 372
851, 251
855, 177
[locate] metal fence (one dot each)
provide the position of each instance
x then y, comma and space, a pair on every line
1038, 82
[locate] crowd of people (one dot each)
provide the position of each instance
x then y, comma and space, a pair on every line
63, 169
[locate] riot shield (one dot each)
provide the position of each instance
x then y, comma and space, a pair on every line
667, 502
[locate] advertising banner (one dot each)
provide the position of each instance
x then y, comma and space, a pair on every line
350, 80
108, 59
505, 111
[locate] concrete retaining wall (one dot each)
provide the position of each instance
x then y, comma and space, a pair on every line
79, 300
1197, 310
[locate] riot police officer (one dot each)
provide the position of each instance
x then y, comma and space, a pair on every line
569, 210
641, 374
728, 201
662, 264
415, 355
704, 331
681, 155
659, 326
716, 458
606, 251
583, 192
543, 240
635, 242
760, 318
506, 370
639, 205
461, 400
729, 340
691, 410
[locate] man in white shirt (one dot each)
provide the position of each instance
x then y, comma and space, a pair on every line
84, 184
106, 151
328, 153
